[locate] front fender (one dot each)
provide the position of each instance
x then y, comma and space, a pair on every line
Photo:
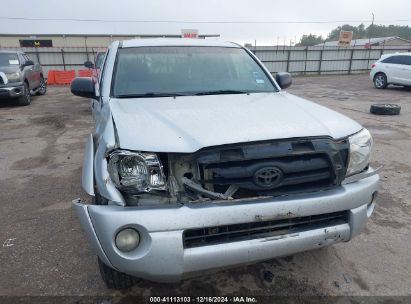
88, 167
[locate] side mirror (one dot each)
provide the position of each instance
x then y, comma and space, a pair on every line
83, 87
89, 64
28, 63
284, 79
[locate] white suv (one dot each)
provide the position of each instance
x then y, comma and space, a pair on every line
392, 69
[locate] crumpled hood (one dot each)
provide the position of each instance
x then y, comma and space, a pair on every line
189, 123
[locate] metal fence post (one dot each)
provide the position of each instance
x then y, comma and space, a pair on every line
62, 56
288, 60
321, 62
85, 43
305, 61
37, 56
351, 58
369, 57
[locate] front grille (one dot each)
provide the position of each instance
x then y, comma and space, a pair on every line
298, 172
304, 166
255, 230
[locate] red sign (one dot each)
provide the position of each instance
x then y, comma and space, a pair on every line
193, 34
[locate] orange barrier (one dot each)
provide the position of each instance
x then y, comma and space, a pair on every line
51, 79
64, 77
84, 73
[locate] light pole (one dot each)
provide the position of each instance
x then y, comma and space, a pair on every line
369, 41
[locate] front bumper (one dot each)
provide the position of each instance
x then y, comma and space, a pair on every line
12, 90
162, 257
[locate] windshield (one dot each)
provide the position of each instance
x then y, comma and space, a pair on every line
9, 59
163, 71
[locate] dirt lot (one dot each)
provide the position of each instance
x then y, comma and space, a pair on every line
43, 250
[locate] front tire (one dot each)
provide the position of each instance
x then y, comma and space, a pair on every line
113, 278
25, 100
43, 87
98, 199
380, 81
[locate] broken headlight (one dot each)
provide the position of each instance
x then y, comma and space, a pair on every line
136, 172
360, 150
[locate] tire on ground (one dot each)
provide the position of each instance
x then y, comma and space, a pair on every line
43, 87
25, 99
113, 278
385, 109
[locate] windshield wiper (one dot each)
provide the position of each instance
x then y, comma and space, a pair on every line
218, 92
150, 95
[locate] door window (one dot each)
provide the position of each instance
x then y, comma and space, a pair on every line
398, 59
406, 60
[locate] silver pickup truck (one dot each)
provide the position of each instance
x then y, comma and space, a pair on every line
199, 160
20, 77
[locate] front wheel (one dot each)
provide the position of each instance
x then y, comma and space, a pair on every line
380, 81
25, 99
113, 278
42, 88
98, 199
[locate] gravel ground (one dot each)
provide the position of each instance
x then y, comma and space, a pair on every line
43, 250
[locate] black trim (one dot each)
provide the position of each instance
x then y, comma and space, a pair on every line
308, 165
222, 234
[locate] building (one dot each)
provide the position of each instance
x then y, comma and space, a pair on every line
377, 42
67, 41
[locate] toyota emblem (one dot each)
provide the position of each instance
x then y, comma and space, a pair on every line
268, 177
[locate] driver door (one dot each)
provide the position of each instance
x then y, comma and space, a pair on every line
28, 71
405, 72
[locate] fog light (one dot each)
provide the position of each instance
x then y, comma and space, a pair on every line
127, 240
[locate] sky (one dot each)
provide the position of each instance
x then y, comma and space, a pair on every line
234, 20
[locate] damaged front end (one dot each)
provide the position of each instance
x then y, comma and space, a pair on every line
231, 172
221, 206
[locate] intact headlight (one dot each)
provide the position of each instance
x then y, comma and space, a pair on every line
13, 77
360, 150
136, 172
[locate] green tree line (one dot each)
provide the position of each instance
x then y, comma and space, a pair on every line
359, 32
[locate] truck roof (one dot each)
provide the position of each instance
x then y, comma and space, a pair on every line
176, 42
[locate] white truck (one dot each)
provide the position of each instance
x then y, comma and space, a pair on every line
199, 160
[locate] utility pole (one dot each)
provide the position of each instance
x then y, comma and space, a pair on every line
369, 40
371, 28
